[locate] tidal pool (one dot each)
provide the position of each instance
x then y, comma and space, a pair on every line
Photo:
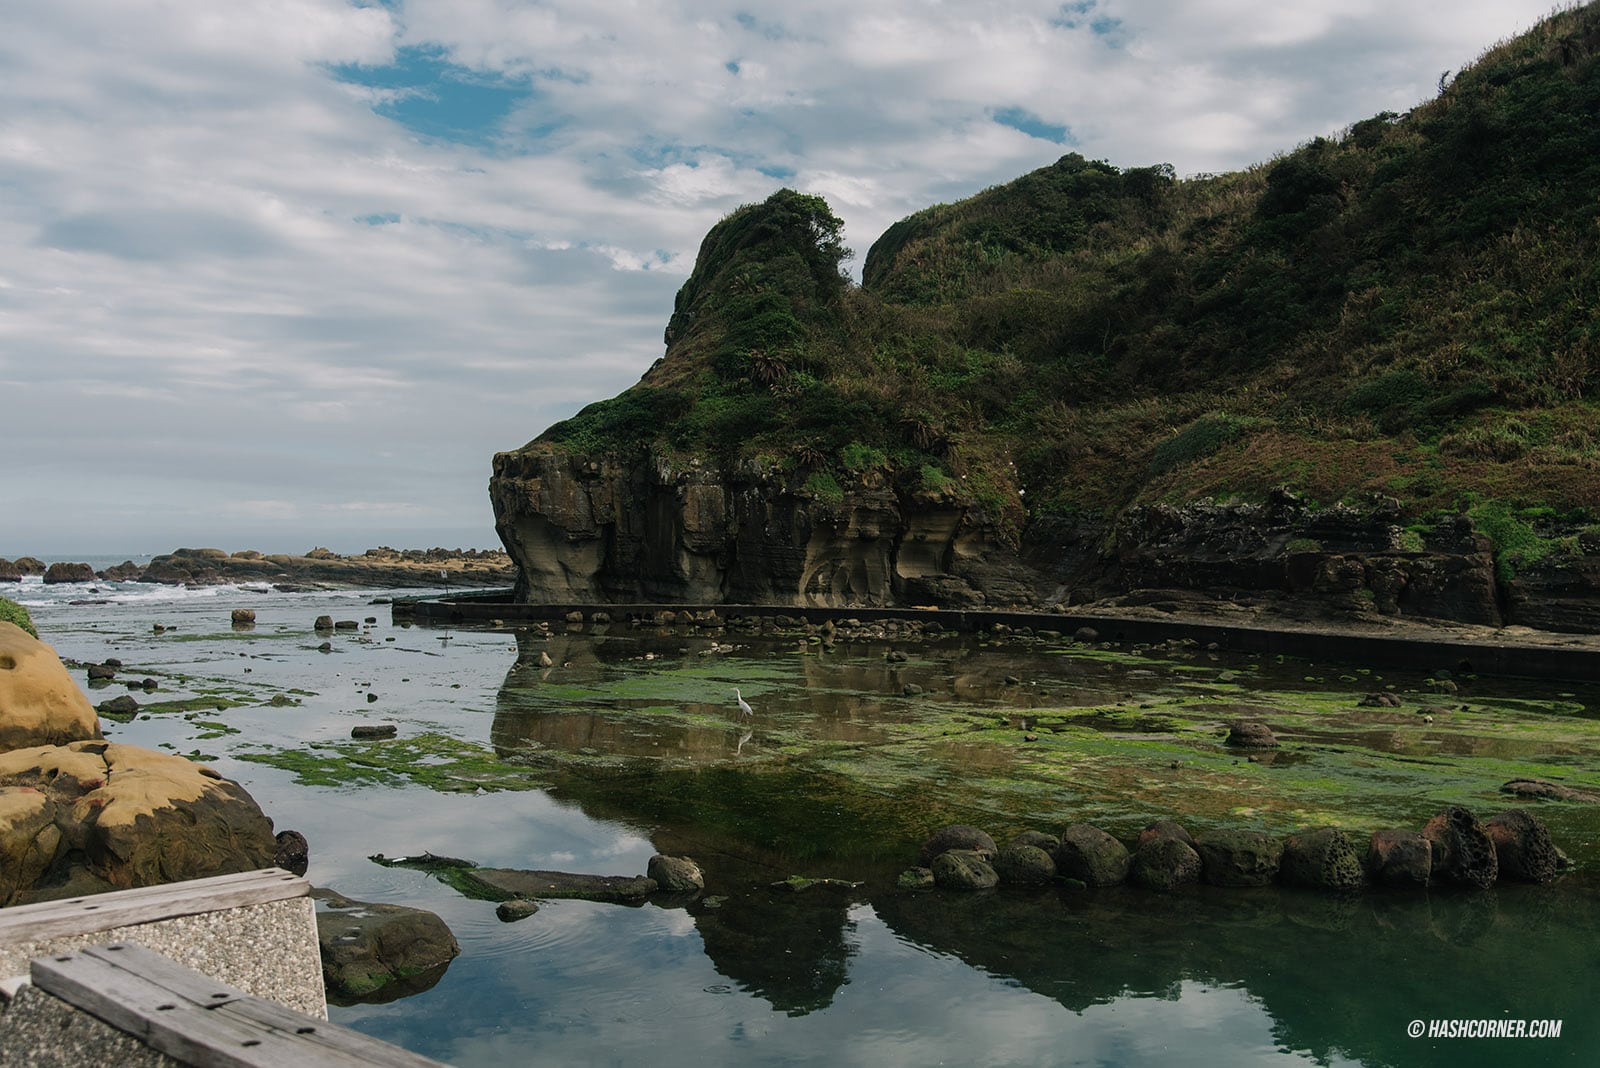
630, 744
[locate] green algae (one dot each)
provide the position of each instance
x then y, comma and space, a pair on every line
433, 760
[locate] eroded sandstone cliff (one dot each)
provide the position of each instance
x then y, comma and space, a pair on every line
603, 530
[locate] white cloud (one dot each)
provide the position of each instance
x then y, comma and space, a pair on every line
212, 233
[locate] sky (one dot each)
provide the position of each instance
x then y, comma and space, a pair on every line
289, 273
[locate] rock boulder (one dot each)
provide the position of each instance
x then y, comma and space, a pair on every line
120, 817
1463, 852
1522, 846
1090, 854
955, 836
368, 946
1239, 858
1325, 859
40, 704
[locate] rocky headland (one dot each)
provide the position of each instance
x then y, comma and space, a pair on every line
1302, 387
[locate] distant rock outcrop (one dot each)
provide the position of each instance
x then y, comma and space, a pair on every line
382, 567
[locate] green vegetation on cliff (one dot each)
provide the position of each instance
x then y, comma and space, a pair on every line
1407, 309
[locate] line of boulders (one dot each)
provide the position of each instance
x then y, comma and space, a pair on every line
1453, 848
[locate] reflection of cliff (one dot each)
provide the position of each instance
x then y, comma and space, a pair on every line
1339, 976
792, 950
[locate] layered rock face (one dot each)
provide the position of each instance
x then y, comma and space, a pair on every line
598, 530
588, 530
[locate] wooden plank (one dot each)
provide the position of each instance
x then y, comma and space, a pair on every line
147, 904
365, 1048
202, 1022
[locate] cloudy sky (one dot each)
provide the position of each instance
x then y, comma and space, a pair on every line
289, 272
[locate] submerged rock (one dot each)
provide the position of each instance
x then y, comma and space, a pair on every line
506, 883
367, 946
515, 909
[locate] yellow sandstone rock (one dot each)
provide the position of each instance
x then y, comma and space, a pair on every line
40, 704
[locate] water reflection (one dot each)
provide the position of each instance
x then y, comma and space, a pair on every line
1255, 975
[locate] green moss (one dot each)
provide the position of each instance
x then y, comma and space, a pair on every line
12, 612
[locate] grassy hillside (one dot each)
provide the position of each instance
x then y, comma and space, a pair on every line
1409, 309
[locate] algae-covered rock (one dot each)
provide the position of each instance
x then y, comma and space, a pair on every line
368, 946
915, 879
1542, 790
1522, 846
1239, 858
955, 836
1164, 863
964, 869
40, 704
1020, 864
1251, 734
1325, 859
1090, 854
1462, 850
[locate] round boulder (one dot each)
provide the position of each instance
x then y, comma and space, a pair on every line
1091, 855
1522, 846
964, 869
955, 836
675, 874
1239, 858
1251, 734
294, 852
1463, 852
1324, 859
244, 617
1024, 865
367, 946
1399, 858
40, 704
1162, 863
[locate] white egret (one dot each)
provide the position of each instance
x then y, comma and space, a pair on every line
744, 706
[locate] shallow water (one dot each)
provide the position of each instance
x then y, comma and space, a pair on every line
633, 746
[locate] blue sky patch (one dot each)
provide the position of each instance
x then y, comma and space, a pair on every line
440, 99
1081, 13
1027, 122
